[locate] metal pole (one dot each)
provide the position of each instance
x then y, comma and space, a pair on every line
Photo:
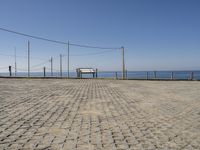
15, 63
68, 60
96, 73
10, 70
192, 75
61, 65
28, 59
44, 71
147, 77
116, 75
172, 76
51, 60
155, 76
123, 64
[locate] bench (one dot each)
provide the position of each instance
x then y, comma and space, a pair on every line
81, 71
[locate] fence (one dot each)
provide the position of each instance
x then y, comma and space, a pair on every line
139, 75
164, 75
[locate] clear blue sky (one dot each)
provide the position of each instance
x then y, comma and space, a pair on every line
156, 34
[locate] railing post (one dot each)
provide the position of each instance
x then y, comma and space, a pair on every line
78, 73
192, 75
116, 75
155, 75
96, 73
44, 69
172, 76
10, 70
147, 75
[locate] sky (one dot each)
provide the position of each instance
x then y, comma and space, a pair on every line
156, 34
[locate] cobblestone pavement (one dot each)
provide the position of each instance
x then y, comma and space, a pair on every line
99, 114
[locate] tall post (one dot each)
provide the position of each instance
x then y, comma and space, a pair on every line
68, 60
15, 63
28, 59
60, 65
51, 60
123, 64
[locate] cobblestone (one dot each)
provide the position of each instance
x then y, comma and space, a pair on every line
89, 114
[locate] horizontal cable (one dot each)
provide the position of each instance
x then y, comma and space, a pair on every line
89, 54
43, 63
21, 69
96, 47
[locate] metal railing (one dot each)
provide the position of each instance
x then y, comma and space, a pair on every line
137, 75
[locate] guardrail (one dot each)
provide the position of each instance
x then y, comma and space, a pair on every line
137, 75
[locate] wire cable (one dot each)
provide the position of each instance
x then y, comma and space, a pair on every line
40, 64
89, 54
55, 41
96, 47
25, 57
21, 69
32, 36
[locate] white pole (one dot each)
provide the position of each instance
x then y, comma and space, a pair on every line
60, 65
15, 63
68, 60
28, 59
51, 66
123, 64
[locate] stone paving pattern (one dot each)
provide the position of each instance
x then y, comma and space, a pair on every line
87, 114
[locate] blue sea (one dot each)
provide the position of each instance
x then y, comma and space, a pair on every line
184, 75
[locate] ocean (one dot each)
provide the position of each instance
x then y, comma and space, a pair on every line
183, 75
